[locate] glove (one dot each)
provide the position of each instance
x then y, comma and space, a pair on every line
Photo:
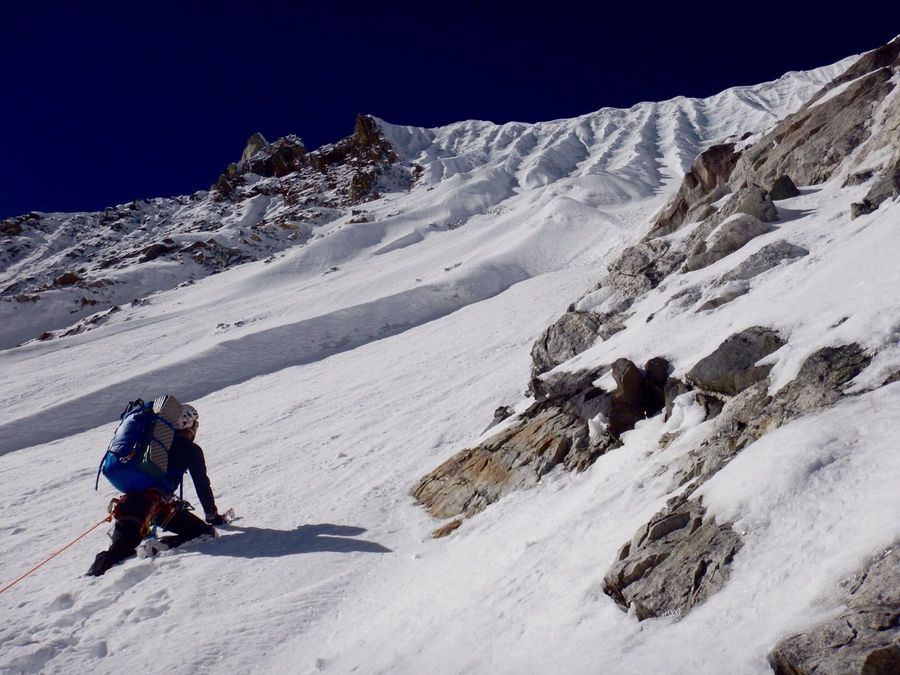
215, 519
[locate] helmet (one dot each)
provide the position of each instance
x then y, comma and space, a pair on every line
189, 417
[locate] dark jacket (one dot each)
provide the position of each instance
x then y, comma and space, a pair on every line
185, 455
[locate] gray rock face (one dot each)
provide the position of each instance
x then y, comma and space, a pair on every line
731, 367
783, 188
566, 384
811, 144
865, 639
637, 270
858, 209
728, 238
884, 56
711, 170
279, 158
677, 560
672, 563
753, 413
769, 256
500, 414
729, 293
754, 201
641, 268
572, 333
886, 186
858, 178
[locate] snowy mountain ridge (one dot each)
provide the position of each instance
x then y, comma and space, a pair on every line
343, 368
56, 269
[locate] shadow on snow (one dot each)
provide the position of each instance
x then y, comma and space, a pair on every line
261, 542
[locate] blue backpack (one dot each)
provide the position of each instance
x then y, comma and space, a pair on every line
138, 454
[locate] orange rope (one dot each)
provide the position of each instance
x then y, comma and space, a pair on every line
74, 541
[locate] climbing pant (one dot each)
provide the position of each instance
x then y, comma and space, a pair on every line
135, 514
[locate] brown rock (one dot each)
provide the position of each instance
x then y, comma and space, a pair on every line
67, 279
656, 375
710, 170
513, 459
628, 406
447, 529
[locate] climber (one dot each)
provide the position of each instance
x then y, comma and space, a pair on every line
137, 513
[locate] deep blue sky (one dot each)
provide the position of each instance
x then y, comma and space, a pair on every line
105, 103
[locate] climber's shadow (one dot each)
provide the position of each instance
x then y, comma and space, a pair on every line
261, 542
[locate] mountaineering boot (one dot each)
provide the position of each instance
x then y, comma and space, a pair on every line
151, 547
101, 563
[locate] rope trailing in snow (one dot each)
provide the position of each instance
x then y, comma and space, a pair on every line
71, 543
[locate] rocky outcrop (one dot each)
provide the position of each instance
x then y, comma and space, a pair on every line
357, 161
66, 279
783, 188
212, 254
753, 201
769, 256
885, 56
566, 384
813, 142
680, 557
254, 144
730, 236
731, 367
273, 198
672, 563
638, 394
635, 271
710, 171
886, 186
571, 424
724, 295
447, 530
863, 640
571, 334
284, 156
500, 413
753, 413
641, 268
517, 458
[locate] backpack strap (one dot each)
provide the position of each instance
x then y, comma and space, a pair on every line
99, 469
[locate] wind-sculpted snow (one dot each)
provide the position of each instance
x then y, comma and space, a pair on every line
56, 269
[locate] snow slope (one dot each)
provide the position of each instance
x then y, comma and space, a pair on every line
325, 393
